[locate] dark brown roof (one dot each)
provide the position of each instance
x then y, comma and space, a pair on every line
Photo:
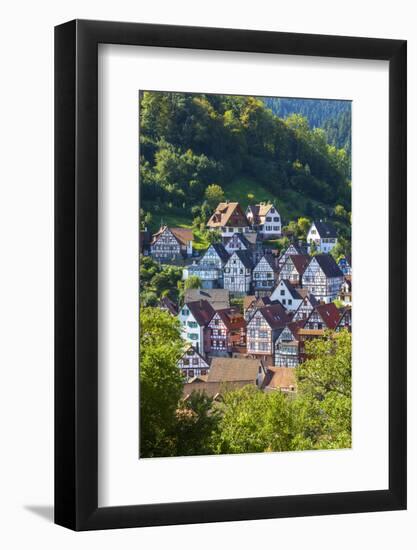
227, 369
275, 315
300, 262
219, 298
232, 318
245, 257
202, 311
329, 314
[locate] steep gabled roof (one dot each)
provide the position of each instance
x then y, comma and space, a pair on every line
181, 234
223, 214
202, 311
328, 265
226, 369
329, 314
232, 318
325, 229
305, 295
275, 315
219, 298
299, 261
269, 260
294, 293
245, 257
240, 237
220, 251
195, 352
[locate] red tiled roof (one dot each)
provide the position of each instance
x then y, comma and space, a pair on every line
329, 314
202, 311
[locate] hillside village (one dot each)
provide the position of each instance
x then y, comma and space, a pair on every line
255, 308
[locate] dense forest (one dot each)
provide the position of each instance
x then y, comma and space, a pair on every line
331, 115
191, 141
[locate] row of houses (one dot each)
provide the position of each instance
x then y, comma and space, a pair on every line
241, 275
265, 330
260, 222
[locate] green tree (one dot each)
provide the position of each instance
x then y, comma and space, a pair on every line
213, 195
197, 422
192, 282
160, 381
213, 236
325, 388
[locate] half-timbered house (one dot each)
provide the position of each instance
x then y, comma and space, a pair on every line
210, 267
228, 218
226, 333
324, 236
192, 364
263, 276
345, 264
262, 330
265, 219
324, 316
323, 278
345, 321
237, 241
237, 272
293, 268
291, 250
251, 303
286, 346
171, 243
307, 305
285, 293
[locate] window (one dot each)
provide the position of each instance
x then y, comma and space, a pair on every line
272, 211
195, 360
282, 292
241, 271
268, 219
186, 361
190, 373
203, 372
276, 219
192, 324
185, 311
283, 301
290, 302
194, 336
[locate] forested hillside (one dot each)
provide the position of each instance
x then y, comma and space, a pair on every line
333, 116
190, 141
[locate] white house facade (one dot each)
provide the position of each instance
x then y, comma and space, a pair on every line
323, 235
265, 219
237, 273
285, 293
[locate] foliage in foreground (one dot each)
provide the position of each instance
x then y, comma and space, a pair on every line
248, 420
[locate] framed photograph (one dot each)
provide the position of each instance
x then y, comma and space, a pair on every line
217, 192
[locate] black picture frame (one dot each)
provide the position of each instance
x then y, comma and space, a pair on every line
76, 272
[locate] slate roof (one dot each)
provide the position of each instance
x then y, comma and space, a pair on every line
223, 213
220, 251
325, 230
328, 265
245, 257
275, 315
329, 313
219, 298
227, 369
202, 311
